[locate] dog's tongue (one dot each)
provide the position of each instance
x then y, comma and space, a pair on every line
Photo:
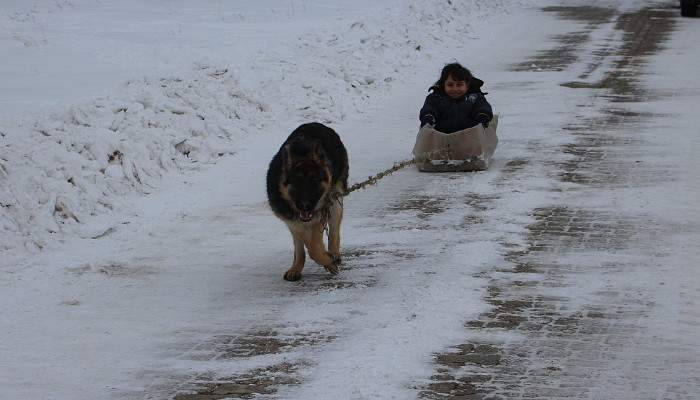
306, 215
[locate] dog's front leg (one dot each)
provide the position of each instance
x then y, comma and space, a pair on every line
294, 273
336, 216
317, 250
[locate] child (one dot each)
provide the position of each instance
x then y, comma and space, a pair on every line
455, 102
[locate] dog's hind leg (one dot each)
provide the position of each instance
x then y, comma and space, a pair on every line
317, 250
334, 220
294, 273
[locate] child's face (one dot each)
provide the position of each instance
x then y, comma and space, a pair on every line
455, 89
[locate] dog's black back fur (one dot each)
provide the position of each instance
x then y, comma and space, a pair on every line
301, 143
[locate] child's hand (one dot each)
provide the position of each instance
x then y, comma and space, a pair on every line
483, 120
427, 119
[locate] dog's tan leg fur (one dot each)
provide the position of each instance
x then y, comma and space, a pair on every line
294, 273
317, 250
334, 220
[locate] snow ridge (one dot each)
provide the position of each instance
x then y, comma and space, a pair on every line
68, 167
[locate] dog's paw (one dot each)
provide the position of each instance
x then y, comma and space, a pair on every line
337, 260
333, 268
292, 276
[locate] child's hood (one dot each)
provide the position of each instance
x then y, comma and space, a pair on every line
475, 85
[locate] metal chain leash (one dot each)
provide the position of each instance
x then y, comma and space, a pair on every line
372, 180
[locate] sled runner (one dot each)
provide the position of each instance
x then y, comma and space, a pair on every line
466, 150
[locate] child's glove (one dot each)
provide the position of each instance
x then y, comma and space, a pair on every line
427, 119
483, 120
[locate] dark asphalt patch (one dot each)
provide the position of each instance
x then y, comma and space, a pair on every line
258, 383
425, 206
257, 343
644, 33
567, 46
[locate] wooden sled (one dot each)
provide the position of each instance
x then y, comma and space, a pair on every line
470, 149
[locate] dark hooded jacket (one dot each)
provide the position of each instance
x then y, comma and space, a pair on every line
452, 115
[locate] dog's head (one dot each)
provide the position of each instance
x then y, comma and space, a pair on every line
306, 178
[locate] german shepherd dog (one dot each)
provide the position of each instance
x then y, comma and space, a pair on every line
305, 184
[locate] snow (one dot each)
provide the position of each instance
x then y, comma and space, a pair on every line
134, 226
233, 91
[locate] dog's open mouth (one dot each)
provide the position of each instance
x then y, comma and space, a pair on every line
306, 216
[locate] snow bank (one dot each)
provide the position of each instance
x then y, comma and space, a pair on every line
68, 167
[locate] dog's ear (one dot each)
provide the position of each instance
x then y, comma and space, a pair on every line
319, 153
287, 157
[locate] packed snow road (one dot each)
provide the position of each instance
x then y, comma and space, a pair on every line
565, 271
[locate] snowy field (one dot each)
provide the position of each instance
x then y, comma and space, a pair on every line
133, 219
